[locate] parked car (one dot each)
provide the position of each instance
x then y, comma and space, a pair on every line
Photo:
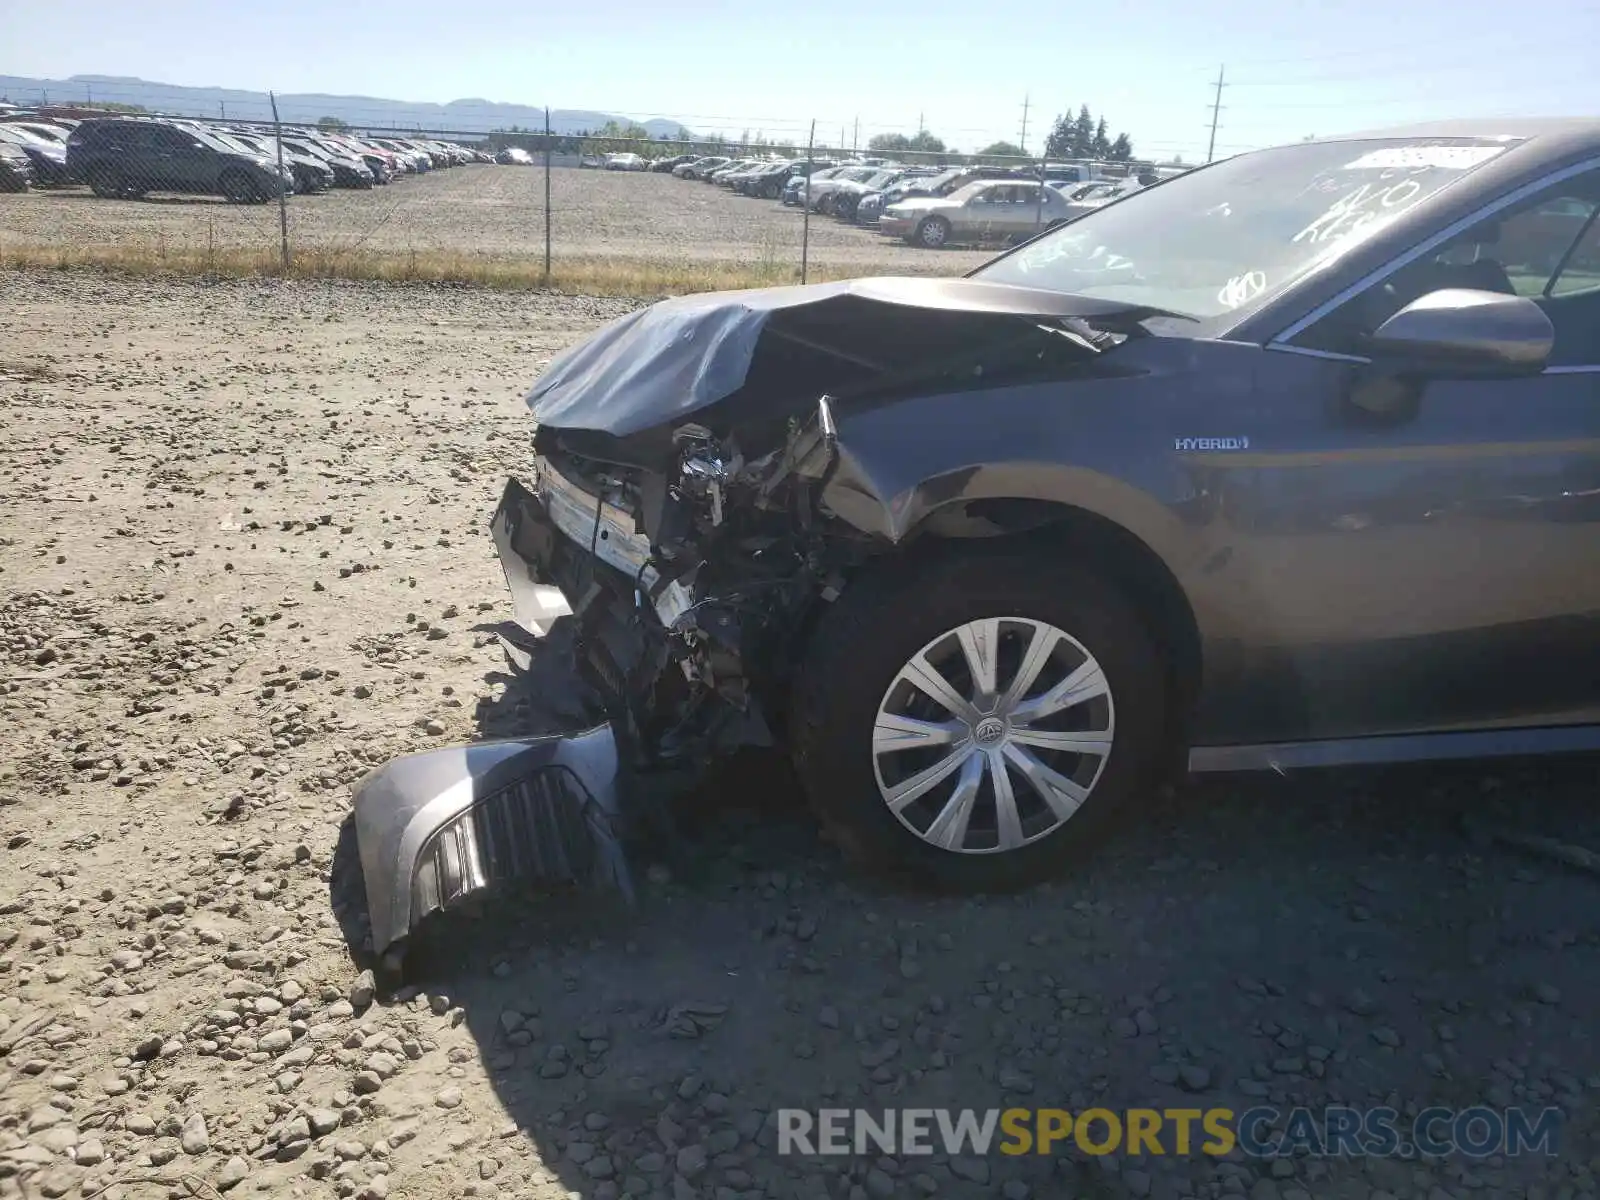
348, 170
49, 158
625, 162
735, 178
50, 132
311, 174
16, 168
992, 210
702, 167
722, 172
795, 190
514, 156
845, 200
1210, 479
417, 161
670, 165
942, 183
127, 157
819, 190
386, 165
767, 182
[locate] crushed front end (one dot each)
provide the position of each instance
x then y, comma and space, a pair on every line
689, 512
687, 589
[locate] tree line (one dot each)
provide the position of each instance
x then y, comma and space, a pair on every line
1080, 136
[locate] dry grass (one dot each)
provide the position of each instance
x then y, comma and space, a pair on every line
574, 276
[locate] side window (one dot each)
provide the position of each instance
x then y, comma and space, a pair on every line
166, 138
1546, 248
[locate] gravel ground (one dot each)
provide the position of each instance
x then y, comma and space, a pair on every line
245, 548
496, 212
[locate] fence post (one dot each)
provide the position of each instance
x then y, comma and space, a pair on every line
547, 196
1038, 208
805, 202
283, 191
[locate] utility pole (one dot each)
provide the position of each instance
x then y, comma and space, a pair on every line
222, 107
855, 136
919, 123
1216, 114
1022, 140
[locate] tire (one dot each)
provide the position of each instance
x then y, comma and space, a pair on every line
852, 676
238, 189
931, 233
107, 183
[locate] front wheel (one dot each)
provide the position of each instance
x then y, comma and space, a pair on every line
973, 723
237, 188
931, 232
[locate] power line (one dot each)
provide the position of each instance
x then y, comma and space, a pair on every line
1216, 114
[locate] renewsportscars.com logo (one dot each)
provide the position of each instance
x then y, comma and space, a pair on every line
1261, 1132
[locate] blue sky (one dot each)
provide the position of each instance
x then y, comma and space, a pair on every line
961, 68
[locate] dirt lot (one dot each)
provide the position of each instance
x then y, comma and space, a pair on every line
494, 212
245, 549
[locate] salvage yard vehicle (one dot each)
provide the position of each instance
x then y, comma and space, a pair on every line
125, 158
1291, 461
311, 174
49, 157
987, 211
348, 170
16, 168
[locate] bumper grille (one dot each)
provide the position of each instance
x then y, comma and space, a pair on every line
545, 828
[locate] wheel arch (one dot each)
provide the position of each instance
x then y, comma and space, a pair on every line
1081, 527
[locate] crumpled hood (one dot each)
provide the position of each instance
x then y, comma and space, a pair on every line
679, 356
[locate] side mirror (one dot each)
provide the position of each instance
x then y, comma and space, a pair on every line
1465, 334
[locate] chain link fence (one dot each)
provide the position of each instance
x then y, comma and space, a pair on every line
510, 208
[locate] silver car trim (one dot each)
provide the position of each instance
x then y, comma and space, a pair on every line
1358, 360
1307, 352
1395, 748
1407, 257
613, 540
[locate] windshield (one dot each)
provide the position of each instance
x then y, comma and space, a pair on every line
967, 191
22, 137
218, 141
1236, 234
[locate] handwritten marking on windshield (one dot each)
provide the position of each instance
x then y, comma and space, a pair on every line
1450, 158
1242, 289
1357, 209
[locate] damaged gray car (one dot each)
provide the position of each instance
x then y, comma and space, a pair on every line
1292, 460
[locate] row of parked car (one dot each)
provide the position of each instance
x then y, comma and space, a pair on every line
930, 206
126, 157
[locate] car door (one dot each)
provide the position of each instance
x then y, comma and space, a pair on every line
180, 159
1025, 216
977, 217
1426, 557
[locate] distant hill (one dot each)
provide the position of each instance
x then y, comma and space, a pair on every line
458, 116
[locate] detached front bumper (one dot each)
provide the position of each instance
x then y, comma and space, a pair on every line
436, 828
